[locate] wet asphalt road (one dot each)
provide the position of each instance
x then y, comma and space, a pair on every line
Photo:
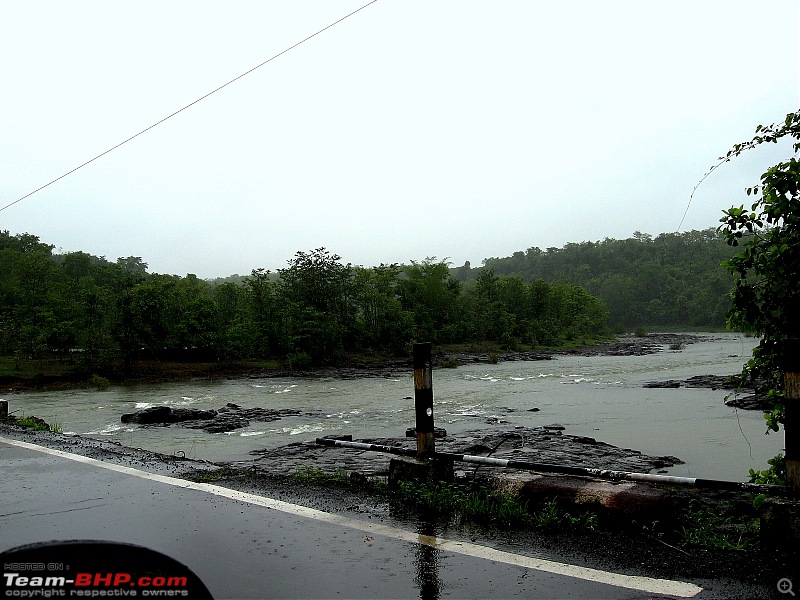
244, 550
312, 542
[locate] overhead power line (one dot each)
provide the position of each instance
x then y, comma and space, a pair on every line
699, 183
180, 110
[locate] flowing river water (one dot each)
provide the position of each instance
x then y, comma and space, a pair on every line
597, 396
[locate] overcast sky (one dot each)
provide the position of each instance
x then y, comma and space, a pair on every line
460, 129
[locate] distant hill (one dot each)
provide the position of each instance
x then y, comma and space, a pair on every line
673, 279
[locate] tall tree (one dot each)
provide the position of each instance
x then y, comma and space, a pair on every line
430, 293
380, 318
316, 303
767, 267
259, 313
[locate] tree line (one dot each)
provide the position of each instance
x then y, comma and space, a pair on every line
673, 279
106, 315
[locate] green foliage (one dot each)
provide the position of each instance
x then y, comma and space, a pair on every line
300, 361
101, 318
465, 503
513, 313
38, 424
552, 516
213, 476
774, 475
316, 475
668, 280
765, 295
315, 310
482, 504
704, 526
431, 295
99, 382
33, 423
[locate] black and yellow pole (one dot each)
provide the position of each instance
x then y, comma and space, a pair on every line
423, 399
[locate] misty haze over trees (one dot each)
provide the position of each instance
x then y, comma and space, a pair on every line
107, 315
674, 279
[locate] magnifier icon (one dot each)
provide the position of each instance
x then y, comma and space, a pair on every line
785, 586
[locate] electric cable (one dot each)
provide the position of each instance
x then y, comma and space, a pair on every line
180, 110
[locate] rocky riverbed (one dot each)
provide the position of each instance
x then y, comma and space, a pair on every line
547, 445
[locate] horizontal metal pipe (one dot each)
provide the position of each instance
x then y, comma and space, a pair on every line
365, 446
563, 469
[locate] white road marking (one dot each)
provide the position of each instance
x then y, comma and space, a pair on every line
650, 585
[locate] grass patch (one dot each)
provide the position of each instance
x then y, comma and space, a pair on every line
704, 526
483, 505
211, 476
316, 475
696, 526
38, 424
551, 516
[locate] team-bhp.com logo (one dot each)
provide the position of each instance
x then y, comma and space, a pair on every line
93, 585
89, 569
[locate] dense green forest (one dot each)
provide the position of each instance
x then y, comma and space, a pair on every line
674, 279
102, 316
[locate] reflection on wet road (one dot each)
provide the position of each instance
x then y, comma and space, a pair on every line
244, 545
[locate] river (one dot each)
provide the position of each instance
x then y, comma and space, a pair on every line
596, 396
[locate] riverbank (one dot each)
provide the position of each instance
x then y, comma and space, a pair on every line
60, 374
676, 547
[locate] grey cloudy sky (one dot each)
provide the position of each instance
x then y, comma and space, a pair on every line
448, 128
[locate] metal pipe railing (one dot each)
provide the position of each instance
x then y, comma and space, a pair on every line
564, 469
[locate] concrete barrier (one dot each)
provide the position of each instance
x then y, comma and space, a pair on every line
629, 499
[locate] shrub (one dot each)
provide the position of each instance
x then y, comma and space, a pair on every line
99, 382
300, 361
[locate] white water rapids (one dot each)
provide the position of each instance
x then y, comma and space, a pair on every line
597, 396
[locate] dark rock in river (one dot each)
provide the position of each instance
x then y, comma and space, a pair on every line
229, 417
750, 402
554, 427
670, 383
713, 382
164, 415
718, 382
